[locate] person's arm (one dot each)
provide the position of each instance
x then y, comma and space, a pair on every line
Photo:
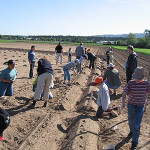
29, 57
62, 51
4, 80
123, 100
105, 75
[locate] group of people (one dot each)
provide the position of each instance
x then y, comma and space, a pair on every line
136, 88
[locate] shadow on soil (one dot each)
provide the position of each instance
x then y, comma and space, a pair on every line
16, 110
75, 122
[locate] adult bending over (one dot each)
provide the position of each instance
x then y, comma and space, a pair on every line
7, 77
45, 78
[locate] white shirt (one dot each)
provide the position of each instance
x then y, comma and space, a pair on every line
103, 96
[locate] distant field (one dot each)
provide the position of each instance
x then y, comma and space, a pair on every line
138, 50
47, 42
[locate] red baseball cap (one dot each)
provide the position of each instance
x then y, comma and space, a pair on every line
98, 80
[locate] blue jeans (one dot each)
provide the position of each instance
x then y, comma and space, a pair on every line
6, 89
31, 69
135, 115
66, 74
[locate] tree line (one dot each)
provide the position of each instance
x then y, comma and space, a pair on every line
131, 39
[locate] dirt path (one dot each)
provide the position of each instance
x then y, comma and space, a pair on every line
66, 123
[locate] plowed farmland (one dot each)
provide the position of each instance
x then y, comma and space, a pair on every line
67, 123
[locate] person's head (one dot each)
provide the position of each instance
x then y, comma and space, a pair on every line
59, 43
130, 49
70, 49
33, 48
46, 58
98, 81
81, 43
11, 64
138, 74
111, 66
76, 61
88, 51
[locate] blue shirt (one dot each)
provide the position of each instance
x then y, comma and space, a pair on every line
8, 74
31, 56
70, 65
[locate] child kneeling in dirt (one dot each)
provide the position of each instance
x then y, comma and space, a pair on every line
4, 122
103, 100
66, 69
42, 95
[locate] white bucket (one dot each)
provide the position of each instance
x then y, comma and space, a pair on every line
109, 147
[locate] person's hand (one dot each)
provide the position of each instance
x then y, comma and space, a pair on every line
30, 62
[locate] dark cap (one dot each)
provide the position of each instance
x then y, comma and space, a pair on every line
10, 62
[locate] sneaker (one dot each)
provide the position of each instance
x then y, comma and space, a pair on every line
69, 84
130, 134
134, 146
2, 97
33, 105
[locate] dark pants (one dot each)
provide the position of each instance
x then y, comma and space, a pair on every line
99, 112
31, 69
108, 57
128, 75
92, 63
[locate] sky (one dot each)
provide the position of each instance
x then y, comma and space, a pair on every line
73, 17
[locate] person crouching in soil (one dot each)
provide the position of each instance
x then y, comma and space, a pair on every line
45, 78
7, 78
103, 100
4, 121
66, 69
112, 76
136, 90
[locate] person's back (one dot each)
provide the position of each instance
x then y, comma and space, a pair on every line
58, 48
44, 66
79, 51
112, 76
70, 65
103, 97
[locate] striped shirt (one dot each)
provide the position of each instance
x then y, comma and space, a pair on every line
137, 92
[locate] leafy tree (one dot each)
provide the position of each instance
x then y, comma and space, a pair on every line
1, 36
131, 39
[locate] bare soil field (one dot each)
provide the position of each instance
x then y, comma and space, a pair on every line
66, 123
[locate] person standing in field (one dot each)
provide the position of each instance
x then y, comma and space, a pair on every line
69, 55
111, 57
31, 59
59, 53
45, 78
79, 51
107, 55
136, 90
131, 63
